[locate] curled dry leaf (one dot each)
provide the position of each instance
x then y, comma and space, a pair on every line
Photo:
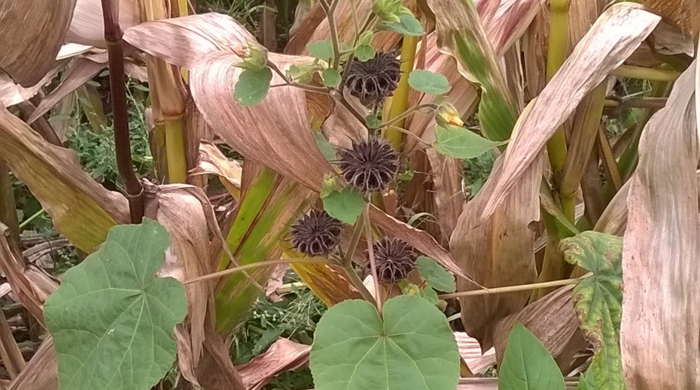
185, 41
87, 25
77, 74
659, 263
12, 93
33, 33
683, 13
212, 162
553, 320
498, 252
616, 34
81, 209
283, 355
41, 372
470, 351
275, 132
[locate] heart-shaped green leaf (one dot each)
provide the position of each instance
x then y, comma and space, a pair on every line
365, 53
407, 25
435, 275
458, 142
253, 86
598, 301
527, 365
111, 319
345, 205
428, 82
323, 50
411, 348
331, 77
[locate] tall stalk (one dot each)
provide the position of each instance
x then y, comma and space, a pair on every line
399, 101
8, 208
117, 86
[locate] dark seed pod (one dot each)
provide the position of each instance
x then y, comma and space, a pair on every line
394, 259
316, 233
370, 165
374, 80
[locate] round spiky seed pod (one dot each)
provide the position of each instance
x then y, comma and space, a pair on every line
369, 165
394, 259
374, 80
316, 233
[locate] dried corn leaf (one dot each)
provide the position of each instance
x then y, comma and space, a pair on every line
612, 39
41, 372
78, 74
212, 162
275, 132
553, 320
498, 252
283, 355
12, 93
87, 25
660, 272
81, 209
186, 40
33, 33
683, 13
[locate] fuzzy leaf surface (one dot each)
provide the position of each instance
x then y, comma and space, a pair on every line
598, 301
435, 274
458, 142
527, 365
345, 205
253, 86
411, 348
111, 319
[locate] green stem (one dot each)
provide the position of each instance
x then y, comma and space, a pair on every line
330, 15
30, 219
510, 289
405, 114
638, 72
357, 282
218, 274
399, 101
354, 240
554, 267
372, 262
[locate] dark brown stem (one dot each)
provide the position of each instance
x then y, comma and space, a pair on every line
117, 86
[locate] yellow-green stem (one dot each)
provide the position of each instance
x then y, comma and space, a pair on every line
175, 150
556, 55
554, 267
8, 208
399, 103
638, 72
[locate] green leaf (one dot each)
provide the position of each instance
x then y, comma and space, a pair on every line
411, 348
428, 82
344, 206
331, 77
366, 38
111, 319
598, 301
323, 50
372, 121
302, 73
253, 86
586, 382
458, 142
365, 53
430, 295
407, 25
527, 365
435, 275
325, 147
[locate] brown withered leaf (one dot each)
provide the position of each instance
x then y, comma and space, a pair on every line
33, 33
683, 13
200, 34
81, 209
77, 74
448, 194
659, 258
87, 25
498, 252
274, 132
283, 355
553, 320
329, 283
41, 372
612, 39
471, 353
13, 267
12, 93
212, 161
614, 217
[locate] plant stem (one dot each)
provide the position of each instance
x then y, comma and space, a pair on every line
372, 261
117, 83
30, 219
399, 119
330, 14
8, 207
399, 102
510, 289
638, 72
175, 150
218, 274
357, 282
354, 240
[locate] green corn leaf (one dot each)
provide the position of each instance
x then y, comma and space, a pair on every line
598, 301
410, 347
111, 319
527, 365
